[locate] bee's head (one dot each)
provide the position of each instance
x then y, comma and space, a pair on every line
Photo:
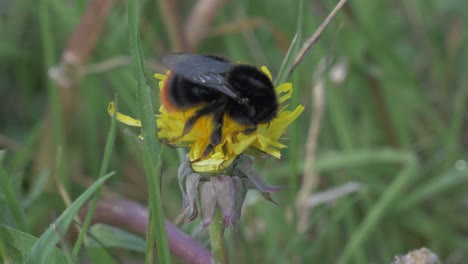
257, 102
245, 102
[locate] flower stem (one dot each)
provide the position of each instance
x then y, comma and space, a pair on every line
218, 247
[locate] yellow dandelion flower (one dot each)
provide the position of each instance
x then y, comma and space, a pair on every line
265, 139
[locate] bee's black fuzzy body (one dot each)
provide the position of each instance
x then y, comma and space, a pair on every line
241, 91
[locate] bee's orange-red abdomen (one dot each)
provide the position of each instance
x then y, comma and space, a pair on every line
165, 96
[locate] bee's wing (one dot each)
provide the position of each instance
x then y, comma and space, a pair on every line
204, 70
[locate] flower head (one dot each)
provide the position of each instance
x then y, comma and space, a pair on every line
226, 192
265, 140
222, 177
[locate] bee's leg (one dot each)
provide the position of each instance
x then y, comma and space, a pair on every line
217, 134
209, 109
251, 129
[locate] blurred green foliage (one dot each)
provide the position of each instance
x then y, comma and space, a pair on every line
394, 121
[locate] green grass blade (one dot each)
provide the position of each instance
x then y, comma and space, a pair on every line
294, 128
105, 162
49, 51
150, 143
54, 233
17, 245
433, 187
37, 188
377, 212
11, 198
23, 156
333, 161
4, 256
286, 64
111, 237
149, 247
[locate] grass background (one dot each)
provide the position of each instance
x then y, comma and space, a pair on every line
395, 123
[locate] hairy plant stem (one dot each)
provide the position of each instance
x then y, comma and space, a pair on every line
218, 247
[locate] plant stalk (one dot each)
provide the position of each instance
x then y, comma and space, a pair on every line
218, 246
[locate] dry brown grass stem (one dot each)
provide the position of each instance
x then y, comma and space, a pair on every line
310, 178
251, 23
246, 24
65, 76
83, 41
196, 26
170, 12
331, 195
8, 143
116, 62
310, 42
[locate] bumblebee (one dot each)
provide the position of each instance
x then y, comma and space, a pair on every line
219, 88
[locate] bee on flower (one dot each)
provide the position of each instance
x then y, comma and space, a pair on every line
222, 111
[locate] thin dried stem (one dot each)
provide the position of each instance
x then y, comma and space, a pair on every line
62, 190
242, 25
334, 194
197, 24
80, 46
8, 143
311, 177
83, 41
105, 65
310, 42
169, 9
116, 62
249, 24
